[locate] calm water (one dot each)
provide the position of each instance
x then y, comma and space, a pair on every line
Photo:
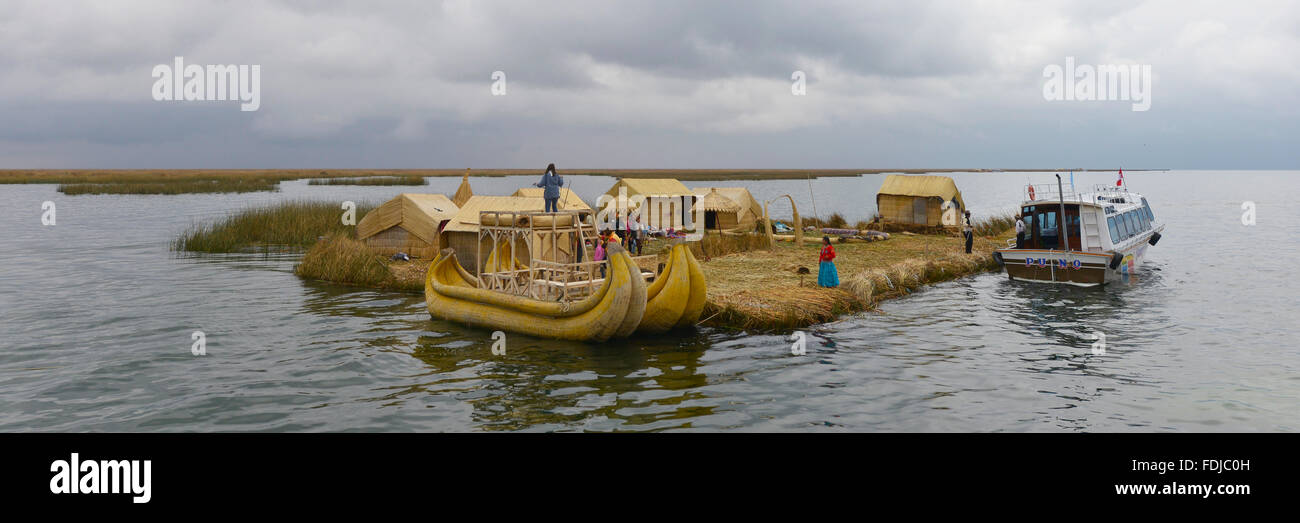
96, 316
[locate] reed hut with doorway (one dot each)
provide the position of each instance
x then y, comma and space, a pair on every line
411, 223
662, 187
917, 200
462, 231
742, 217
463, 193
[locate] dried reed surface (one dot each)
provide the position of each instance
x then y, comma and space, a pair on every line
762, 290
370, 180
289, 225
340, 259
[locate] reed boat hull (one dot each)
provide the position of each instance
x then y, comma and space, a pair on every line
677, 296
614, 310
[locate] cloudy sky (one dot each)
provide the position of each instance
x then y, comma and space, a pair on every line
654, 84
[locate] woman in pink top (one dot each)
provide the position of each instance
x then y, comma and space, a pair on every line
600, 255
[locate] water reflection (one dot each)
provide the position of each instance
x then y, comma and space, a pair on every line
549, 385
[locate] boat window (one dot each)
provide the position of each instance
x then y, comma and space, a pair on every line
1114, 232
1123, 227
1147, 207
1132, 224
1146, 223
1047, 227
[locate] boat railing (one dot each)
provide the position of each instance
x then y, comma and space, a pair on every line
1050, 191
565, 281
531, 237
1105, 188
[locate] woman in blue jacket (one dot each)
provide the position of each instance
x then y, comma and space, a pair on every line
551, 184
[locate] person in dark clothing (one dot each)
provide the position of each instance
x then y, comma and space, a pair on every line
1020, 231
969, 231
551, 184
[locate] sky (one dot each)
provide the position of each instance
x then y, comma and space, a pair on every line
654, 84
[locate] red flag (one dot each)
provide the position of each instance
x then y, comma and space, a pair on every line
1120, 182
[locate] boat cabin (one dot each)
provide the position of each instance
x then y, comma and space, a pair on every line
1093, 222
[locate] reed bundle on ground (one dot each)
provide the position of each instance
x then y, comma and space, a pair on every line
284, 225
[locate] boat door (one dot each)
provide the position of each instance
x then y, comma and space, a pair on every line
1072, 226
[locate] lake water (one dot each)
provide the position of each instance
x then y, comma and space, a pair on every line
96, 317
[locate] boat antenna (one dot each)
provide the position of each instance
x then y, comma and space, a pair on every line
1061, 227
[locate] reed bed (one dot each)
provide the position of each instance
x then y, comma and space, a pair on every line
289, 225
372, 180
715, 244
340, 259
224, 185
994, 225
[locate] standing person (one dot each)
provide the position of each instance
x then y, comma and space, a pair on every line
1020, 232
639, 229
551, 184
969, 232
600, 254
827, 276
633, 239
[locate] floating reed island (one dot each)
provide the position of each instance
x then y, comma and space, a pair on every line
756, 280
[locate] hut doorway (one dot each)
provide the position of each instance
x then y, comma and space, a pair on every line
711, 220
919, 210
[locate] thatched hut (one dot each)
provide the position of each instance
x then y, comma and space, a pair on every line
657, 187
462, 231
917, 200
410, 223
463, 193
744, 216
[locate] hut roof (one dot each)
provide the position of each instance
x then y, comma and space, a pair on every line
740, 195
418, 213
567, 196
651, 186
712, 201
464, 192
923, 186
467, 219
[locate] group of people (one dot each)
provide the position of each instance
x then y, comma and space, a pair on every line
634, 235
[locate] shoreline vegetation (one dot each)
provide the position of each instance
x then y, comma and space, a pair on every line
283, 226
751, 286
370, 180
187, 181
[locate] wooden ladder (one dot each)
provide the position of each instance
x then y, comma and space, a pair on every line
1091, 231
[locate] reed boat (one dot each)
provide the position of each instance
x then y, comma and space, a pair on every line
613, 310
1084, 239
676, 297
